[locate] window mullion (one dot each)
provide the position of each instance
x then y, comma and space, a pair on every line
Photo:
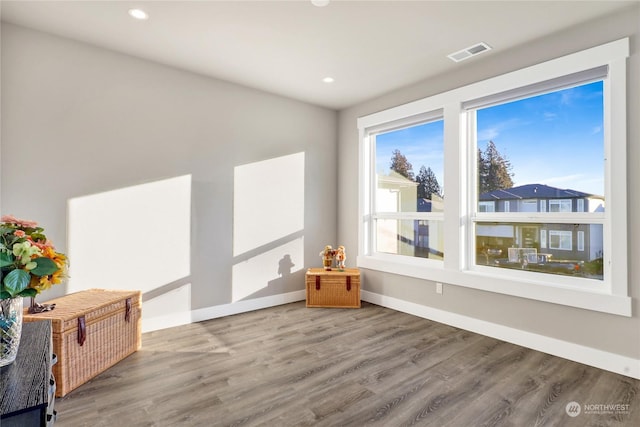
547, 217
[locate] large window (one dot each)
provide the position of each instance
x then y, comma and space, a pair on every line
523, 146
535, 167
409, 190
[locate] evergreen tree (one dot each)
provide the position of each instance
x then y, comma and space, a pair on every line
401, 165
494, 170
428, 184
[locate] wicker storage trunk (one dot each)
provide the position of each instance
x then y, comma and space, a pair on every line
335, 288
92, 331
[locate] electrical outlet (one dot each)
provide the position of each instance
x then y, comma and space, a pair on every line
439, 288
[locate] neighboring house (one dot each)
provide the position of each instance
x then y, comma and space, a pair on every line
395, 194
429, 234
563, 241
420, 238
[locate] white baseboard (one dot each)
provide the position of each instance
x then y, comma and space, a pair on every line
247, 305
578, 353
589, 356
199, 315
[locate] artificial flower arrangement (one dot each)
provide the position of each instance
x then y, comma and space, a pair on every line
28, 260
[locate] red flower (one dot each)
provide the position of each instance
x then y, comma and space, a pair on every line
10, 219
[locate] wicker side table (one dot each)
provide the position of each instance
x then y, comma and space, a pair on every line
333, 288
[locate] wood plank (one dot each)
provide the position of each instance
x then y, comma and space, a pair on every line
294, 366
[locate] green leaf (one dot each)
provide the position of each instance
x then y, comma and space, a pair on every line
45, 267
6, 259
38, 237
16, 281
29, 292
6, 230
5, 295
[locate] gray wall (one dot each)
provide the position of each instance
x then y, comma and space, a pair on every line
78, 120
606, 332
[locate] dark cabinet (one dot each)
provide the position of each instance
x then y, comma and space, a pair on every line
27, 388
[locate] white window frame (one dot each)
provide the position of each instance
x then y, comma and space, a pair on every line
580, 241
528, 202
580, 205
373, 214
610, 295
564, 205
565, 240
488, 206
543, 205
543, 239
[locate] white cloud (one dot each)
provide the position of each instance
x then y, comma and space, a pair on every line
491, 133
567, 97
488, 134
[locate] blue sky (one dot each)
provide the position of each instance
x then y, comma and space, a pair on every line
421, 145
554, 139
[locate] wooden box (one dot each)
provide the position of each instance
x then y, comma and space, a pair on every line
334, 288
92, 331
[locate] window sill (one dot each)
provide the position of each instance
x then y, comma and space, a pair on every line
588, 299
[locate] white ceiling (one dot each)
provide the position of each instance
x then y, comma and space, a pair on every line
287, 47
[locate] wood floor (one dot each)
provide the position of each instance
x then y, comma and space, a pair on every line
293, 366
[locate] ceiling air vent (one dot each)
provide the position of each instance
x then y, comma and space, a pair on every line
466, 53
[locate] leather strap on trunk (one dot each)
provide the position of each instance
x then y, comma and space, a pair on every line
127, 313
82, 330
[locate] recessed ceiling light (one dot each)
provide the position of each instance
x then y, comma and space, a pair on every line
328, 80
320, 3
139, 14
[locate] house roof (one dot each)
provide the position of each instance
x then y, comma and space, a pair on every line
534, 191
395, 180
